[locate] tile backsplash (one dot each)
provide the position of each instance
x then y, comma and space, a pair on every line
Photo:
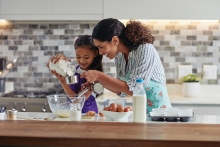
34, 43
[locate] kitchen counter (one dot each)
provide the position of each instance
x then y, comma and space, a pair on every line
201, 132
174, 98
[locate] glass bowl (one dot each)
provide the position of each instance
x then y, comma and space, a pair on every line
60, 105
121, 102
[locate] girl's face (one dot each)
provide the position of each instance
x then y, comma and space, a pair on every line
109, 49
85, 57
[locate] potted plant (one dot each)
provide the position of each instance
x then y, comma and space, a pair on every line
191, 85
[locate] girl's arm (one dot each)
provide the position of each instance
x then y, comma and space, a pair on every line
69, 91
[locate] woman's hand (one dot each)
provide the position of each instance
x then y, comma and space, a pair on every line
59, 77
91, 76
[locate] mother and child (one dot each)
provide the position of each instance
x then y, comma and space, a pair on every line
135, 57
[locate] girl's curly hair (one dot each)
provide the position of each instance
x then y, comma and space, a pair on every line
132, 36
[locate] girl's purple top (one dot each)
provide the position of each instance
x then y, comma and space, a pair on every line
90, 103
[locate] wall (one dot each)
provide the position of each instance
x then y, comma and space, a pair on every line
33, 43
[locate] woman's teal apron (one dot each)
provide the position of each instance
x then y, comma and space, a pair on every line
157, 96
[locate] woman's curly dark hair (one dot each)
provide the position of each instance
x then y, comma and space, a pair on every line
132, 36
87, 42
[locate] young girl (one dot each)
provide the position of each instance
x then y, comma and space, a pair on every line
88, 58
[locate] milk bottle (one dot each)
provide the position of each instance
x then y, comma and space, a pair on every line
139, 102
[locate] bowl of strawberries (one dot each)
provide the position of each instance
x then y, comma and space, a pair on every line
116, 109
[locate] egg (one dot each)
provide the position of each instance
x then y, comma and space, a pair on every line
113, 107
101, 114
120, 108
129, 108
126, 109
90, 113
107, 108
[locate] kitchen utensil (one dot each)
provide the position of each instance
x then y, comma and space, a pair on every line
2, 85
10, 65
2, 116
60, 106
72, 79
2, 109
96, 87
2, 64
117, 116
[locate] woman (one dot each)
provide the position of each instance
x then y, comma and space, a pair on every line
135, 57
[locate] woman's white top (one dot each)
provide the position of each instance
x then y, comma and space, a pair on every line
144, 63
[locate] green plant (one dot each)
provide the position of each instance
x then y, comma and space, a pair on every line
191, 78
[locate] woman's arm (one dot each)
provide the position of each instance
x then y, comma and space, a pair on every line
115, 85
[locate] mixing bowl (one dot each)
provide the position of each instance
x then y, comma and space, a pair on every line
117, 116
60, 105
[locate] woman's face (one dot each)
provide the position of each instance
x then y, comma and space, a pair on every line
106, 48
84, 57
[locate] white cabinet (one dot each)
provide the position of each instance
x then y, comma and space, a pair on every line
24, 9
77, 9
51, 9
162, 9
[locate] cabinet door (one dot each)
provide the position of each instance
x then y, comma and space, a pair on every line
77, 7
162, 9
24, 7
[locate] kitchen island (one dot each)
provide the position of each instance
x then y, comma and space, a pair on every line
202, 131
208, 103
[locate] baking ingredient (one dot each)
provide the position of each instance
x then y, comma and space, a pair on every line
106, 108
139, 102
129, 108
120, 108
90, 113
126, 109
11, 114
101, 114
63, 67
75, 115
63, 114
113, 107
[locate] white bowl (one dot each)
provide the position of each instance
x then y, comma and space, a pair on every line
117, 116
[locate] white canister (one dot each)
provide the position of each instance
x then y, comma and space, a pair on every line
2, 116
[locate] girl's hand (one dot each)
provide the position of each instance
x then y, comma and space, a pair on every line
57, 58
89, 92
59, 77
91, 76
